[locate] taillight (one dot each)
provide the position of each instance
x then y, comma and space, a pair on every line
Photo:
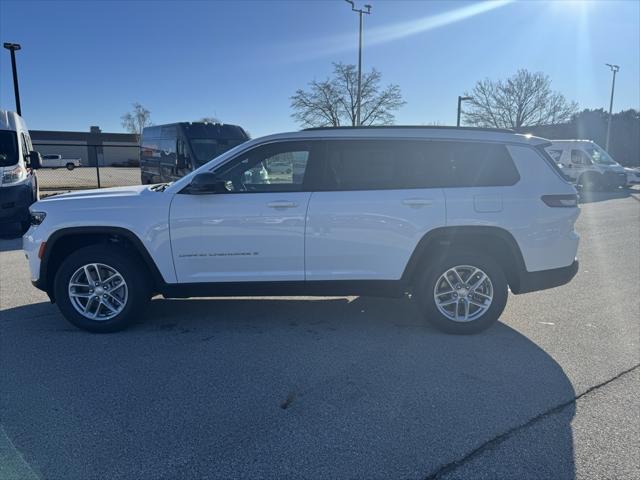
41, 250
570, 200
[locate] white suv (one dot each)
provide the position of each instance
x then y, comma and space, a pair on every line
452, 216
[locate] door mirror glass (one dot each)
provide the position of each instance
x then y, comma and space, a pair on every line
207, 183
35, 160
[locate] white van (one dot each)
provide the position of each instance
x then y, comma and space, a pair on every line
587, 164
18, 183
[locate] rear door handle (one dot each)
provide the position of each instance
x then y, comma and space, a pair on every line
417, 202
282, 204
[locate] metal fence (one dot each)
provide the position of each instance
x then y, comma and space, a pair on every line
88, 166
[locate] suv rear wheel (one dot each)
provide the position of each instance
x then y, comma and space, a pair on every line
464, 293
101, 288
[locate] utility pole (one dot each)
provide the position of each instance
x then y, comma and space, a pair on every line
359, 97
460, 100
13, 47
614, 69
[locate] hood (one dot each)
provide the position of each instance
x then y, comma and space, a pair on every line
113, 192
613, 168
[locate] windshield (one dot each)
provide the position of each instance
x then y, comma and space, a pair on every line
206, 149
600, 156
8, 148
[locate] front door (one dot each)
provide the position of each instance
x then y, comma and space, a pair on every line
255, 230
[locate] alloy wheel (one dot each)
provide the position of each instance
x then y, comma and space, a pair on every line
98, 291
463, 293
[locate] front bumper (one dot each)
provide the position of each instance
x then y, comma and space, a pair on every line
614, 180
14, 203
545, 279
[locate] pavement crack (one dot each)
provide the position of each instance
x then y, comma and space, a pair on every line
498, 439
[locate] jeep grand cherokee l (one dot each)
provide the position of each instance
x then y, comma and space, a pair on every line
454, 217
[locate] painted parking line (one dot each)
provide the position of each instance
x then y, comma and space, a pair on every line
13, 466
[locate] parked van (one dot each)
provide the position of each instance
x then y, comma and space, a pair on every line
168, 152
18, 183
587, 164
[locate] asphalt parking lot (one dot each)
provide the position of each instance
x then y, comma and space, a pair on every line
335, 387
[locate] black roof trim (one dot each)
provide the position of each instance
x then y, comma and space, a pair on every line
426, 127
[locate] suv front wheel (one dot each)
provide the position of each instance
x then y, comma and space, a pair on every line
463, 293
101, 288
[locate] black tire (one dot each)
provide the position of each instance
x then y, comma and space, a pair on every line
126, 264
426, 283
70, 166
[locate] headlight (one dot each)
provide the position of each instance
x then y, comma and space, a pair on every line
14, 176
37, 218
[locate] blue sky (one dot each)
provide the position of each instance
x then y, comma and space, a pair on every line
84, 63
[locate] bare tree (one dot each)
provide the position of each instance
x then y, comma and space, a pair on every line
333, 102
136, 120
523, 100
210, 120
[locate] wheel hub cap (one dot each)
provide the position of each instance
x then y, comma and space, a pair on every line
98, 291
463, 293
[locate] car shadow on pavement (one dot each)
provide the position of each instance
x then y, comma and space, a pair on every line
281, 388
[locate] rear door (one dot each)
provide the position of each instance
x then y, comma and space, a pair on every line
375, 202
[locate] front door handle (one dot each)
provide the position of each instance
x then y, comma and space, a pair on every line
282, 204
417, 202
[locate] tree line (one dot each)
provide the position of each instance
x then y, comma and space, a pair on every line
524, 102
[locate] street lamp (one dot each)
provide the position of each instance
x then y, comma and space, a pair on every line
13, 47
359, 12
460, 100
614, 69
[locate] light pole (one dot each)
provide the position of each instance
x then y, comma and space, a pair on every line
359, 98
13, 47
614, 69
460, 100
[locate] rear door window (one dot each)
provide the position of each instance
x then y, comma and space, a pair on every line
402, 164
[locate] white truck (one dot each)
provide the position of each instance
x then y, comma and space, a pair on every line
57, 161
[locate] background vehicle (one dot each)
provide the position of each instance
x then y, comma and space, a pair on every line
18, 182
170, 151
587, 164
454, 216
56, 161
633, 175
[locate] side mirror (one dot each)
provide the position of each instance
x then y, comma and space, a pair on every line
181, 161
35, 160
207, 183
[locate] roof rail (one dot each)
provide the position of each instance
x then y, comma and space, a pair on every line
427, 127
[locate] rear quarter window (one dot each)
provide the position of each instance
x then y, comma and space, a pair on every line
472, 164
